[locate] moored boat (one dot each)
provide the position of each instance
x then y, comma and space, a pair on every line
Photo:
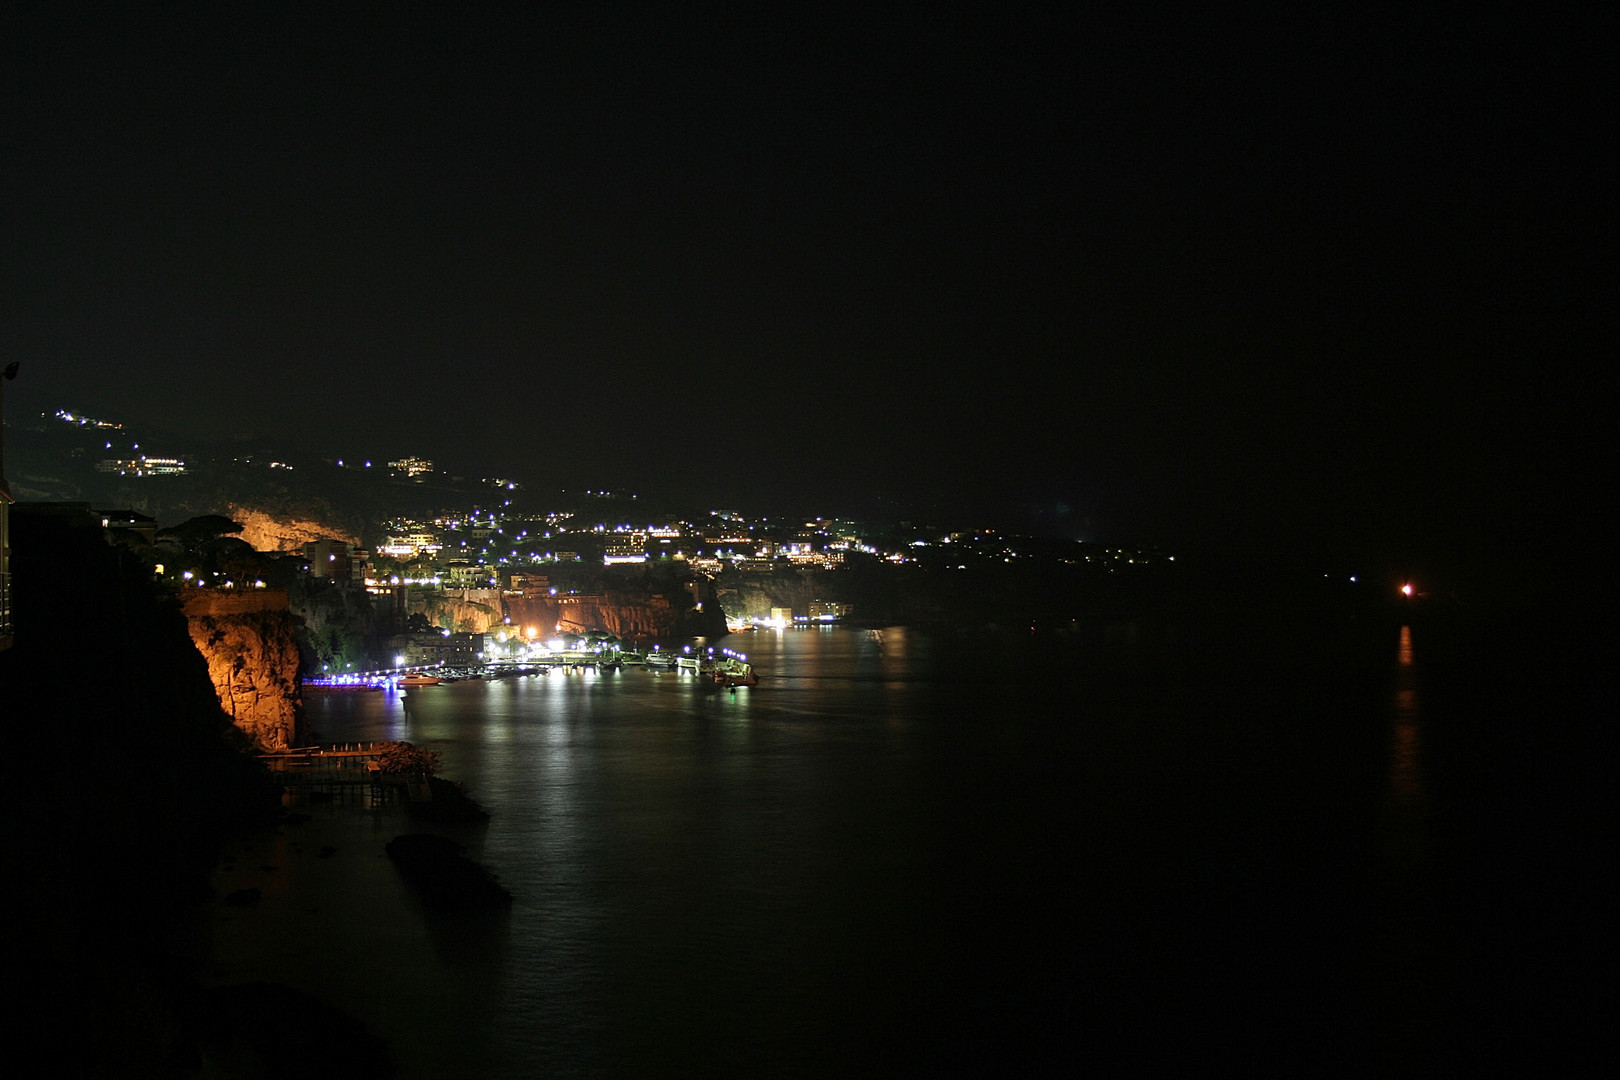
732, 672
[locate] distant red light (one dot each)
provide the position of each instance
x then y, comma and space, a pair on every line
1406, 590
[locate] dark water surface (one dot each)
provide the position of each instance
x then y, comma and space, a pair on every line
1141, 848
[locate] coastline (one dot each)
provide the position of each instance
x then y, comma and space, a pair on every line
334, 921
283, 912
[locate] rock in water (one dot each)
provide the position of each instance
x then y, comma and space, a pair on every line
446, 878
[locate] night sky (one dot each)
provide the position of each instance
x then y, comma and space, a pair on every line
1305, 272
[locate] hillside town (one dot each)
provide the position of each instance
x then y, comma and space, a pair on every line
419, 566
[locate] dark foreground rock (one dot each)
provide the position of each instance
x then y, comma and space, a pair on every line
450, 805
267, 1030
445, 878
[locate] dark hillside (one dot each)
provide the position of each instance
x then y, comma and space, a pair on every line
126, 776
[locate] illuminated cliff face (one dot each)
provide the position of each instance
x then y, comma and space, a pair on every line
552, 615
268, 532
251, 646
466, 611
625, 616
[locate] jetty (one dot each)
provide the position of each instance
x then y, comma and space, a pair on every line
350, 771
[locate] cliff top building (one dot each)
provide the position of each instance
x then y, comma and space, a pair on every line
336, 559
142, 466
411, 544
130, 521
625, 547
465, 575
414, 468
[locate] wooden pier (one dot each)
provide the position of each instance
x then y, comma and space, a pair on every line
340, 773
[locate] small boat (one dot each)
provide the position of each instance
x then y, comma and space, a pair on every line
418, 678
730, 672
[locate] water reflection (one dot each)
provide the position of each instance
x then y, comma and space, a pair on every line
1406, 791
1408, 932
889, 852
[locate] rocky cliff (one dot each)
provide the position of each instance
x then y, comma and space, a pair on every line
268, 531
755, 596
250, 642
466, 611
127, 779
624, 614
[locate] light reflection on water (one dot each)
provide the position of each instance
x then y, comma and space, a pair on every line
1409, 934
1406, 787
892, 849
691, 866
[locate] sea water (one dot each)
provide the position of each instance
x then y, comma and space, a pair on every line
1135, 846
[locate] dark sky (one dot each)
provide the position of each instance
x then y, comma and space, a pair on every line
1188, 272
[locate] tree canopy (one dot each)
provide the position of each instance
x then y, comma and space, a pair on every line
197, 532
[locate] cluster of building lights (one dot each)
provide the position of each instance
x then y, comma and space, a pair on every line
213, 580
142, 466
85, 421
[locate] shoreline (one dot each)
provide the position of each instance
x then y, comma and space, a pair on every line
284, 905
333, 920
